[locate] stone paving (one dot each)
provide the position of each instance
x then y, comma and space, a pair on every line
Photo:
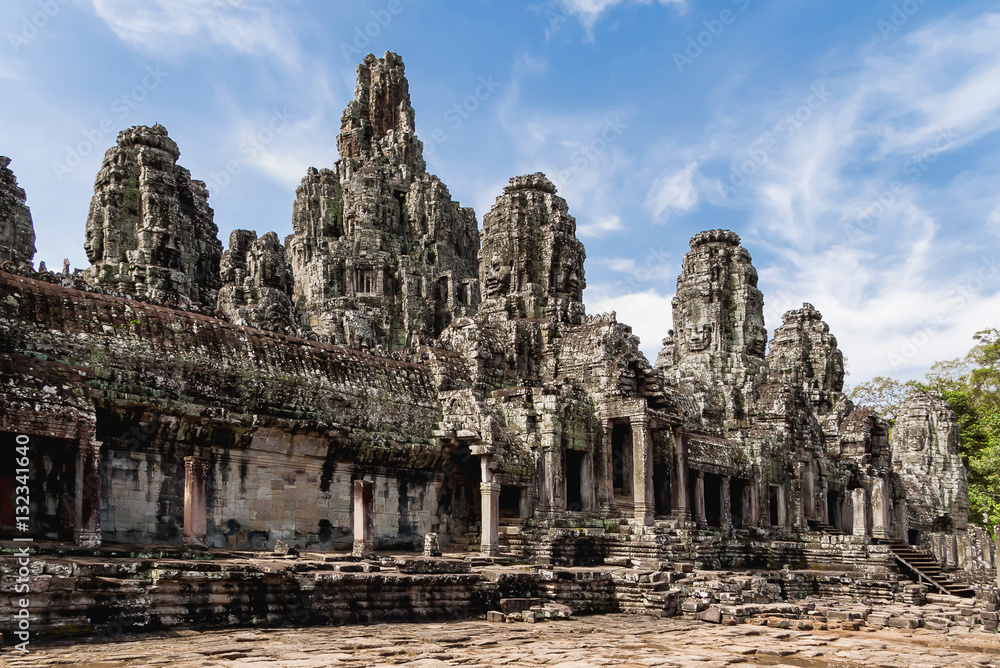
601, 640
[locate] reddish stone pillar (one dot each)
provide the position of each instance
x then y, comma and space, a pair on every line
195, 502
87, 532
364, 517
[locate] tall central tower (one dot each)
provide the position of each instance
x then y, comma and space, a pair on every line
381, 255
718, 340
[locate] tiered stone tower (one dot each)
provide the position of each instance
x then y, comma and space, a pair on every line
381, 255
718, 339
531, 264
150, 232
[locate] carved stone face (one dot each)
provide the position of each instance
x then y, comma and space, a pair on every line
497, 279
758, 341
699, 337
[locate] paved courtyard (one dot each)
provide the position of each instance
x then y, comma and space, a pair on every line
610, 640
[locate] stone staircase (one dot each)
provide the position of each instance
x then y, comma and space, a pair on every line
820, 527
927, 569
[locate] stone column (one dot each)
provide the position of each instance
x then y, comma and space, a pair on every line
681, 507
996, 553
799, 500
364, 517
699, 498
195, 502
490, 490
605, 483
727, 503
642, 467
860, 512
755, 501
880, 509
87, 532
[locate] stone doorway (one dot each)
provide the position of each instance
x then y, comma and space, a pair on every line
51, 482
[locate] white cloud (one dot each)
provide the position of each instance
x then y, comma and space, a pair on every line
648, 313
588, 11
673, 192
169, 27
600, 227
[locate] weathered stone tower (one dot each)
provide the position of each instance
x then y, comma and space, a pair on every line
150, 231
805, 354
718, 339
531, 264
381, 255
17, 235
256, 282
925, 456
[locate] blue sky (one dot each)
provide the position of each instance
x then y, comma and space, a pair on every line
853, 145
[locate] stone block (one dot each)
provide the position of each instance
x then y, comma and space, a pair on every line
516, 605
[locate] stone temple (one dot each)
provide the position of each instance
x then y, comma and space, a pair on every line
393, 380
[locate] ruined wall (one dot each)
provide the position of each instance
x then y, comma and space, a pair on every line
17, 234
926, 458
150, 231
716, 347
165, 384
381, 255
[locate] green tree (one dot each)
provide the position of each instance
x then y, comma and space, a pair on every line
883, 394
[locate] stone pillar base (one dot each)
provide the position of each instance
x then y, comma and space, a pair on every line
362, 550
87, 538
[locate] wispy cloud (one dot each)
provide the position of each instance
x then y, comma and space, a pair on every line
588, 11
600, 227
169, 27
673, 192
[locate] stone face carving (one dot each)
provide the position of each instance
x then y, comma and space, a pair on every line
17, 234
150, 231
381, 255
256, 282
804, 353
531, 262
718, 315
926, 458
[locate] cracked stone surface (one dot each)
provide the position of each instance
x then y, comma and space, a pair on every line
612, 640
